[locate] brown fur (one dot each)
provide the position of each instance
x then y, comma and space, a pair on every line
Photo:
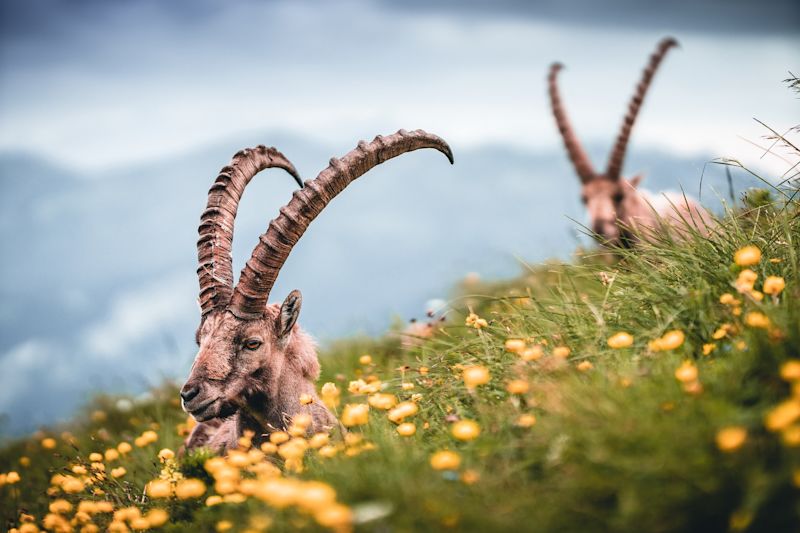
251, 390
621, 214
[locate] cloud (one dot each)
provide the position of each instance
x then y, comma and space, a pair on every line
112, 84
158, 307
723, 16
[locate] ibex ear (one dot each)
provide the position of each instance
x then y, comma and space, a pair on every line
636, 180
290, 310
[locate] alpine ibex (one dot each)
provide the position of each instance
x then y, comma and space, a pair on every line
619, 213
254, 362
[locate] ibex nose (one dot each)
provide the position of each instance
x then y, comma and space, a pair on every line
189, 391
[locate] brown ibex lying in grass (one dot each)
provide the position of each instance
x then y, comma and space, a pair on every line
254, 363
619, 213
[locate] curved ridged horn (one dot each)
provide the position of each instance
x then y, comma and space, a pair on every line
252, 292
215, 270
614, 170
581, 162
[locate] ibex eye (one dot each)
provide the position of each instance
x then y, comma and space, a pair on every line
252, 344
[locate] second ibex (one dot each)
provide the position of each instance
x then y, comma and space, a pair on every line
620, 213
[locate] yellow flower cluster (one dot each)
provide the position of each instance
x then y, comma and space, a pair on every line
246, 474
475, 321
523, 350
146, 438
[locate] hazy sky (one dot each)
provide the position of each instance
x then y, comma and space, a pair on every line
93, 84
156, 95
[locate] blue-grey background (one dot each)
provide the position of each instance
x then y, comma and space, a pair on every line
115, 117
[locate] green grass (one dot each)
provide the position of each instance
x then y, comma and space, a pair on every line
617, 447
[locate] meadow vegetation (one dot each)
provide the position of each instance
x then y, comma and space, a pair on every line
656, 392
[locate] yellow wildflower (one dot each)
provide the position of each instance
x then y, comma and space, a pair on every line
382, 401
156, 517
475, 375
318, 440
403, 410
533, 353
213, 500
112, 454
406, 429
585, 366
224, 525
95, 457
190, 488
335, 516
159, 488
124, 448
514, 345
747, 255
517, 386
774, 285
755, 319
745, 281
165, 455
118, 472
686, 373
790, 370
620, 340
561, 351
475, 321
355, 414
791, 436
708, 348
445, 460
671, 339
525, 421
466, 430
306, 399
365, 359
328, 451
721, 332
60, 506
330, 395
48, 443
731, 438
278, 437
783, 415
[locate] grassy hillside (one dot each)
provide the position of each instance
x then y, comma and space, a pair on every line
657, 393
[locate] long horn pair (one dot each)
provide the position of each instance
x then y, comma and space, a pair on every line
249, 298
215, 270
577, 155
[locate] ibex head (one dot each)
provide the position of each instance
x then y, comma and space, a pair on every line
609, 197
253, 355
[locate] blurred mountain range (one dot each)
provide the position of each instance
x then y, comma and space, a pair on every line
98, 288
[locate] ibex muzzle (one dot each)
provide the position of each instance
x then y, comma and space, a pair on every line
254, 362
